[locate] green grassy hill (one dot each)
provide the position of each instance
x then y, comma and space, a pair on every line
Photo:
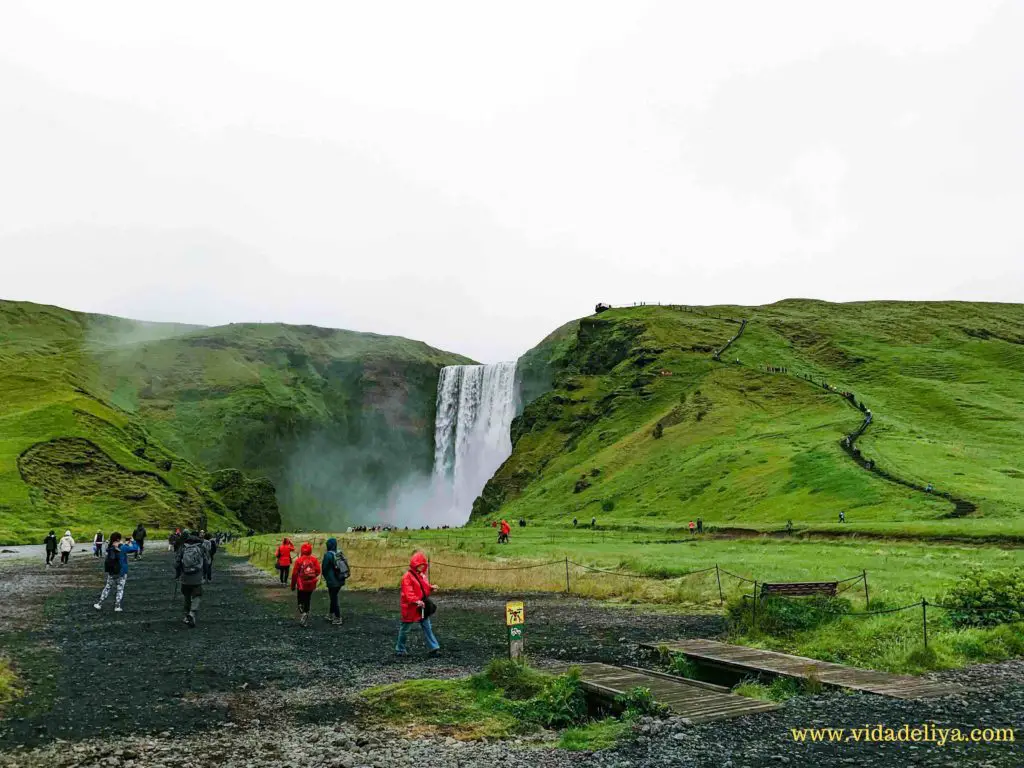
744, 446
68, 457
337, 420
105, 420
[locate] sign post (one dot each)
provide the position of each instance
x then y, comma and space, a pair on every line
515, 618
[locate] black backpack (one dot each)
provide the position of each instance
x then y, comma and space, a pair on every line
112, 563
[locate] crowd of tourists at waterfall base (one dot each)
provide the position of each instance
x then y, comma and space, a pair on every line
194, 553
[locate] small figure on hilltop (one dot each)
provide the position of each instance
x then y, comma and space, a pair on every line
929, 488
50, 542
97, 544
522, 522
336, 573
416, 605
67, 543
842, 517
575, 522
116, 567
700, 525
693, 528
189, 566
284, 559
305, 577
139, 537
789, 527
593, 522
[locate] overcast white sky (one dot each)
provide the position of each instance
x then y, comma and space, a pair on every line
474, 174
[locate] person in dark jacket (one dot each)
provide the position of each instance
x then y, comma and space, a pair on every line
117, 573
51, 547
305, 577
140, 538
211, 549
336, 571
189, 566
97, 544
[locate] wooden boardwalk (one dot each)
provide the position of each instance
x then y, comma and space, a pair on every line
758, 661
693, 700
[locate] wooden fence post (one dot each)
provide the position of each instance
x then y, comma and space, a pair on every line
567, 575
924, 619
718, 575
753, 602
867, 599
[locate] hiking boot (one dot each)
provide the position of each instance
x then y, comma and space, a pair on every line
97, 606
185, 619
434, 652
118, 609
303, 619
190, 620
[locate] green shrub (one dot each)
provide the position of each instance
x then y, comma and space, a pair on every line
637, 702
780, 689
560, 704
987, 598
784, 616
607, 505
677, 664
516, 680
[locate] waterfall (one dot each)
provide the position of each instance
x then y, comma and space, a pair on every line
475, 408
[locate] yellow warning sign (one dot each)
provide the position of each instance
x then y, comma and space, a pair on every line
515, 613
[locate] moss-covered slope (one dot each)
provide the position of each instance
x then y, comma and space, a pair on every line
755, 438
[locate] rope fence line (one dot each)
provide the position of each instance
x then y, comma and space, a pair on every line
267, 552
259, 550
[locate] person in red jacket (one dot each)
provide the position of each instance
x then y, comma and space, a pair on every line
505, 530
416, 608
284, 559
305, 576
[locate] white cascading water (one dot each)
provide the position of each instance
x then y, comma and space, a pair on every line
475, 408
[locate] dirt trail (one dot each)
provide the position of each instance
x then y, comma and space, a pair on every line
250, 688
144, 671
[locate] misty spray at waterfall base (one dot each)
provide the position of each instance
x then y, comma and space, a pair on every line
475, 408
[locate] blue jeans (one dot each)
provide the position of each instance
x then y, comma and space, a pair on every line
428, 635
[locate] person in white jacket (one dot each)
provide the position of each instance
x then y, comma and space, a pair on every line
65, 545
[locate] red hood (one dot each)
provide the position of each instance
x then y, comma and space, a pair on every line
286, 540
307, 548
416, 561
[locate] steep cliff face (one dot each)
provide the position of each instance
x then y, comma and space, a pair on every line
338, 421
630, 419
111, 421
69, 458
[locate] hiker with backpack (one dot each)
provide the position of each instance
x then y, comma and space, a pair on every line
140, 538
305, 577
97, 544
50, 542
211, 549
284, 559
416, 605
189, 567
115, 565
67, 543
336, 572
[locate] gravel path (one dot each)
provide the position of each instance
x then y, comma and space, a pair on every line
250, 688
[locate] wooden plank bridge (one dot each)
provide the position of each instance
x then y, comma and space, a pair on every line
696, 701
757, 661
